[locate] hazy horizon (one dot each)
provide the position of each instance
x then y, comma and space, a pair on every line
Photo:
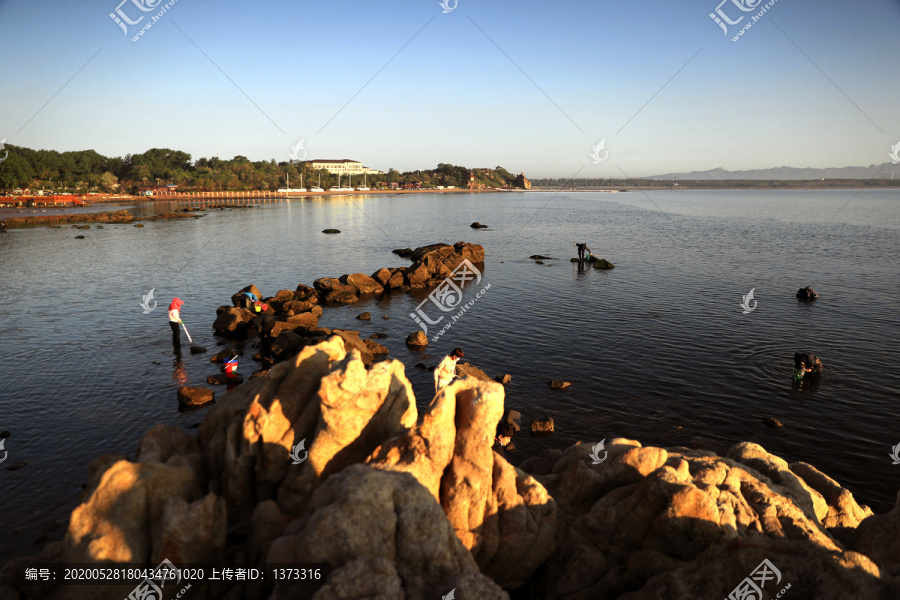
528, 86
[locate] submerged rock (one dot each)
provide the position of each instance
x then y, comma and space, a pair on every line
544, 425
477, 225
417, 340
806, 294
190, 396
331, 231
223, 355
558, 384
375, 347
597, 263
223, 379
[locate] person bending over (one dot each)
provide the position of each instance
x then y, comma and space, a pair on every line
446, 370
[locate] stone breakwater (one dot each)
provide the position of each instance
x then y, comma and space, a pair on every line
297, 312
409, 505
117, 217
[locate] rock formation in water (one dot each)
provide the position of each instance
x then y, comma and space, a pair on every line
806, 294
299, 311
409, 505
522, 182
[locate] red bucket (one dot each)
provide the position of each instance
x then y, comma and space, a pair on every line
231, 368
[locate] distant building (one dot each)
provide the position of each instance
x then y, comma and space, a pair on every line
157, 190
344, 166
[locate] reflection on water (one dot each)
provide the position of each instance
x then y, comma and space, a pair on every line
657, 349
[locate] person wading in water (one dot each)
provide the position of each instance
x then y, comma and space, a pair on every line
582, 249
175, 320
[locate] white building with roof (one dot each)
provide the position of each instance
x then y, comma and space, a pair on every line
343, 166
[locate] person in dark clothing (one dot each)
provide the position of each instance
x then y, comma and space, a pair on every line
806, 363
247, 300
503, 441
2, 227
261, 326
582, 249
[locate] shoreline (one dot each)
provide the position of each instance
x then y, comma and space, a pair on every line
222, 200
216, 201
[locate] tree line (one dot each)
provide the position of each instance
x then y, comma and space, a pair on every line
88, 171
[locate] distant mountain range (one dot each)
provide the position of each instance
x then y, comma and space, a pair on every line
883, 171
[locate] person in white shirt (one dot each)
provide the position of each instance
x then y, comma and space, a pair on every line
445, 372
175, 320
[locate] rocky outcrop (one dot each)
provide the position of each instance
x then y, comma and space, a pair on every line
385, 537
232, 321
672, 523
363, 284
502, 515
298, 312
335, 291
251, 289
522, 182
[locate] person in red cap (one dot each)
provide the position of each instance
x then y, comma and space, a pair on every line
175, 320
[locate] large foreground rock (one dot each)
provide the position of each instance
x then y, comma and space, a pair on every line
386, 537
676, 523
502, 515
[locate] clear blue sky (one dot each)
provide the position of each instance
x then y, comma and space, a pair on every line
584, 70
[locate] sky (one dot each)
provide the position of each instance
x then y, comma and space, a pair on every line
530, 86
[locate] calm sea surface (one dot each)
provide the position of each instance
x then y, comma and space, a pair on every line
657, 349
